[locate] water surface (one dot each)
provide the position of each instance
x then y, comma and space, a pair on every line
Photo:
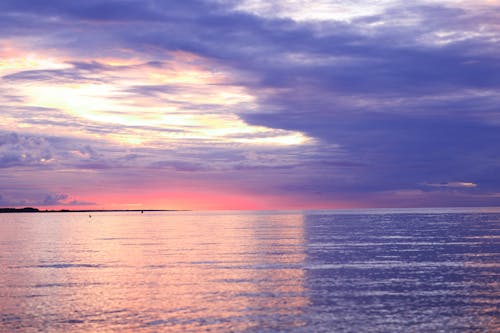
319, 271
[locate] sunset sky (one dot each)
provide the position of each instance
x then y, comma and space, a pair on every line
224, 104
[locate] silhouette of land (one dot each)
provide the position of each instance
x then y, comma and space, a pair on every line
36, 210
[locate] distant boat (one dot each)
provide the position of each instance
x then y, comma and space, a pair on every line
142, 212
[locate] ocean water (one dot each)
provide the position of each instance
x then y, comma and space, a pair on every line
428, 270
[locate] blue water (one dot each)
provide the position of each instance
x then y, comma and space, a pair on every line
430, 270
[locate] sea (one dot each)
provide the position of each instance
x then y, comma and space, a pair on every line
383, 270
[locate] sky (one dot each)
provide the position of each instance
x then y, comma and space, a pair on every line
224, 104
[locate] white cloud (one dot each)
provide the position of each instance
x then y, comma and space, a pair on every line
453, 185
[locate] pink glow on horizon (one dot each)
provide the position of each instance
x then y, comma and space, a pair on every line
200, 200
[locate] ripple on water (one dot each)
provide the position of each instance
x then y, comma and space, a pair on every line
67, 265
233, 272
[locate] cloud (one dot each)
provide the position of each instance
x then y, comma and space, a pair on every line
54, 76
180, 166
19, 150
54, 199
44, 152
454, 185
42, 200
8, 202
387, 102
62, 200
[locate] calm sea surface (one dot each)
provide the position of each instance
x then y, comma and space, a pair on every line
318, 271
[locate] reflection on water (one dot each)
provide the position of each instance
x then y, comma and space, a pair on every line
151, 272
250, 272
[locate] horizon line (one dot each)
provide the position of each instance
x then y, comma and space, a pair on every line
37, 210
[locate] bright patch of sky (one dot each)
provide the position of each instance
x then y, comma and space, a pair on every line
338, 10
178, 100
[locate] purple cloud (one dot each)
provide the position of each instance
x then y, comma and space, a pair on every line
396, 102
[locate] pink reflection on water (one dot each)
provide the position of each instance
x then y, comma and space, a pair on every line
151, 272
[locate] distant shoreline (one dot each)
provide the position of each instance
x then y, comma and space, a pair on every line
36, 210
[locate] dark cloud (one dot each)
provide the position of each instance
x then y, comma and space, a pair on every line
50, 152
20, 150
79, 72
180, 166
88, 10
56, 76
54, 199
62, 200
90, 66
41, 199
7, 202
